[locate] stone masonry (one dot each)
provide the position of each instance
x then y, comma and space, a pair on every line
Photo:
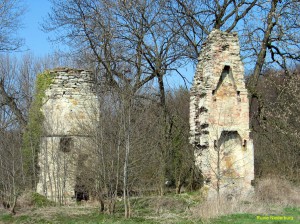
69, 107
219, 118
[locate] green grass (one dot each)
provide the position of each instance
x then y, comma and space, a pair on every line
6, 218
289, 215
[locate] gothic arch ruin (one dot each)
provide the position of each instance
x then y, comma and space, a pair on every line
219, 118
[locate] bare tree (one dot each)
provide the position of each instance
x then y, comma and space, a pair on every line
12, 121
10, 20
180, 161
11, 169
276, 132
272, 36
268, 29
8, 82
272, 41
197, 18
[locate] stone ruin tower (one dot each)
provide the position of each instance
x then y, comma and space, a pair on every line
70, 109
219, 118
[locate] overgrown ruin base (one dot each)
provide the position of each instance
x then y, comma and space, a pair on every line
219, 118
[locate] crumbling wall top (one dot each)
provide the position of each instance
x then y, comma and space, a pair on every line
219, 50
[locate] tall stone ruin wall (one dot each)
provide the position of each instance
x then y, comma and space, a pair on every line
70, 109
219, 117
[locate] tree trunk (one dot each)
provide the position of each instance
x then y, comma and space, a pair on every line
101, 208
262, 54
10, 101
166, 138
13, 207
252, 87
126, 159
178, 186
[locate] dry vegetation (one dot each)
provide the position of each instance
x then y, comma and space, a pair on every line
271, 196
277, 191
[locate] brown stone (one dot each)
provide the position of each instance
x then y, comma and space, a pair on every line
224, 151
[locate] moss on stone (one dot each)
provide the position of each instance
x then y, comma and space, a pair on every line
34, 130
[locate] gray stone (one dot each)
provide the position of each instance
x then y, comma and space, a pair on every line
66, 108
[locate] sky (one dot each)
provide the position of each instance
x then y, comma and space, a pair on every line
36, 41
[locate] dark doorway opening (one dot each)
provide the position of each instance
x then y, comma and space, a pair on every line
81, 194
65, 144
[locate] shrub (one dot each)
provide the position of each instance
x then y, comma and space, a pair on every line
40, 200
276, 190
33, 199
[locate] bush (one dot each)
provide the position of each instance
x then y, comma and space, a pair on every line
276, 190
33, 199
268, 192
40, 200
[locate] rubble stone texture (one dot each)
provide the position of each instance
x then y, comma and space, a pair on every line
219, 118
70, 109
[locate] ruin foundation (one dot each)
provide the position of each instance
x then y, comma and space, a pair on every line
70, 110
219, 118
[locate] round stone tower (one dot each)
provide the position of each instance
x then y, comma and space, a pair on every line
70, 109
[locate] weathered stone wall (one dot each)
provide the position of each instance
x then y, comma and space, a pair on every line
70, 109
219, 117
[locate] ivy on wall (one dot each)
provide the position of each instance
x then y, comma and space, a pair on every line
34, 129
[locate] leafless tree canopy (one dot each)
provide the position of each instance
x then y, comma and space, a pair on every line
10, 20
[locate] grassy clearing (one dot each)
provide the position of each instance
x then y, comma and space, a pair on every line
47, 216
68, 215
274, 202
167, 209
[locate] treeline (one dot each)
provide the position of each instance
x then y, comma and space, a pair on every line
275, 125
